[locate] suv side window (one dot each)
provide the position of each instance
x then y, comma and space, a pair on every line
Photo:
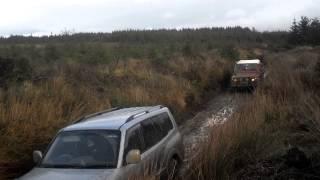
133, 140
155, 129
151, 133
166, 123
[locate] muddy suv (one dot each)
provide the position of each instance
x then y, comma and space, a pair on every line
113, 144
247, 74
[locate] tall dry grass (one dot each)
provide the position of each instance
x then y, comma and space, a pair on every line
284, 113
32, 112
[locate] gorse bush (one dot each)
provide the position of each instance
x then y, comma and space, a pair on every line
229, 52
14, 70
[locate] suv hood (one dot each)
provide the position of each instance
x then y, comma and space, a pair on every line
70, 174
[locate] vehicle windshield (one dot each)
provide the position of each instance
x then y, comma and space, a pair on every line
245, 67
83, 149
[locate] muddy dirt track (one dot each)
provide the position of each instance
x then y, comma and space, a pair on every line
216, 112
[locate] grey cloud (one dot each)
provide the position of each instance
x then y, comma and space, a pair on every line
112, 15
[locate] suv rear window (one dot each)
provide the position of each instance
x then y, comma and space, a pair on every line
155, 129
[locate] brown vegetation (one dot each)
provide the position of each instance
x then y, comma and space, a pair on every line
276, 135
31, 112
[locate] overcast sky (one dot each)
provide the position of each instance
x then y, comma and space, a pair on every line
39, 17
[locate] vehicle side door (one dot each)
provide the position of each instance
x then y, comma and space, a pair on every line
154, 131
133, 140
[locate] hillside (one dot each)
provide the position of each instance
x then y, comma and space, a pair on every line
47, 82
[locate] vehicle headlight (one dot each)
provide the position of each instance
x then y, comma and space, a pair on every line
253, 79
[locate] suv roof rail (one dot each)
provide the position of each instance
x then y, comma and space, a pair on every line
95, 114
132, 117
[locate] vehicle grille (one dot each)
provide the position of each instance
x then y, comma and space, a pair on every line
244, 79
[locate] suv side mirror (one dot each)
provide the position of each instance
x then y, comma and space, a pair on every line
133, 156
37, 156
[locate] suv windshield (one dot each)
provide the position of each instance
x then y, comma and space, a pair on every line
83, 149
245, 67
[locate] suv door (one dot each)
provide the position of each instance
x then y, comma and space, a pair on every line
154, 130
133, 140
152, 151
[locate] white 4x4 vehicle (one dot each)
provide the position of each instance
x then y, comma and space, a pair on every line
247, 74
113, 144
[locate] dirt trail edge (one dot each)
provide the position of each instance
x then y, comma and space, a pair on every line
195, 130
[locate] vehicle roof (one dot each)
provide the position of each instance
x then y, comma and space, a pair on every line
110, 120
249, 61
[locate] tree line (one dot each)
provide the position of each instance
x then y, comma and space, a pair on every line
306, 31
215, 35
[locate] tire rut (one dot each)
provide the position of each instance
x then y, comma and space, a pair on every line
196, 130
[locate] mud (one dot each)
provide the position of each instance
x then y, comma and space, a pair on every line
217, 111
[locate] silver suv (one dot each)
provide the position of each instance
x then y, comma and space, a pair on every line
113, 144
